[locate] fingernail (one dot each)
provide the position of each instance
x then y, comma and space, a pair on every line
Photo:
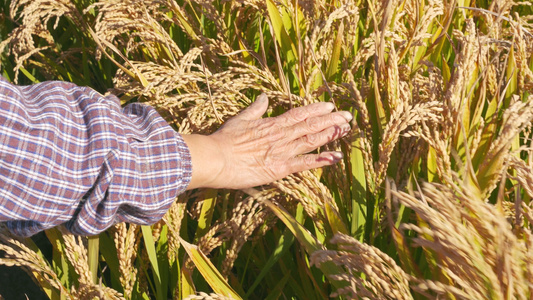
330, 106
337, 155
347, 115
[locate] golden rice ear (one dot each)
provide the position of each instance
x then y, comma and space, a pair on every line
205, 296
35, 17
383, 279
127, 244
471, 242
23, 253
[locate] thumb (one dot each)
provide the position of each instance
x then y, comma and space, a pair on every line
256, 110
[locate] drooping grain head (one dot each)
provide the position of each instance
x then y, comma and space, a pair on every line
383, 279
35, 17
471, 244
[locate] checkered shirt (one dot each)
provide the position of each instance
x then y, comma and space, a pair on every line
71, 156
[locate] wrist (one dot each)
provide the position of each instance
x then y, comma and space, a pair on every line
207, 161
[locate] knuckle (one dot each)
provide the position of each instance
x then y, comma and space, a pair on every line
297, 114
311, 140
276, 132
308, 161
313, 124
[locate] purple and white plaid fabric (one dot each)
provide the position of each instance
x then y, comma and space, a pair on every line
70, 155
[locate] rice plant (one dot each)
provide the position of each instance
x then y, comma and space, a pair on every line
431, 201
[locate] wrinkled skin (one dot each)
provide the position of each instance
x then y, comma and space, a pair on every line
248, 150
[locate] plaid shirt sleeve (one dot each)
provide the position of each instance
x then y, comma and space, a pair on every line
69, 155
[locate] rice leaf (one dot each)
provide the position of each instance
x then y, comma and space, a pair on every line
446, 73
152, 256
93, 249
206, 214
432, 164
284, 40
51, 292
183, 22
277, 290
511, 74
186, 283
28, 74
306, 239
109, 255
59, 260
284, 243
358, 190
335, 56
162, 259
488, 135
208, 271
335, 221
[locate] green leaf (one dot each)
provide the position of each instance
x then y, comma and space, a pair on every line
162, 258
277, 291
432, 164
306, 239
488, 135
184, 23
206, 214
404, 253
446, 72
152, 256
334, 219
93, 249
284, 243
511, 73
275, 18
28, 74
358, 190
51, 292
186, 283
109, 253
208, 271
284, 40
335, 56
59, 260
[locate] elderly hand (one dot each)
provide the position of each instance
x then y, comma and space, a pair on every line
249, 151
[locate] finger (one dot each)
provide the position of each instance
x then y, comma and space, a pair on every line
256, 110
317, 124
310, 142
313, 161
298, 114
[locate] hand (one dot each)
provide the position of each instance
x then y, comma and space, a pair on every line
248, 151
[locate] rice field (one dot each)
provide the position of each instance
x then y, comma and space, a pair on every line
431, 201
